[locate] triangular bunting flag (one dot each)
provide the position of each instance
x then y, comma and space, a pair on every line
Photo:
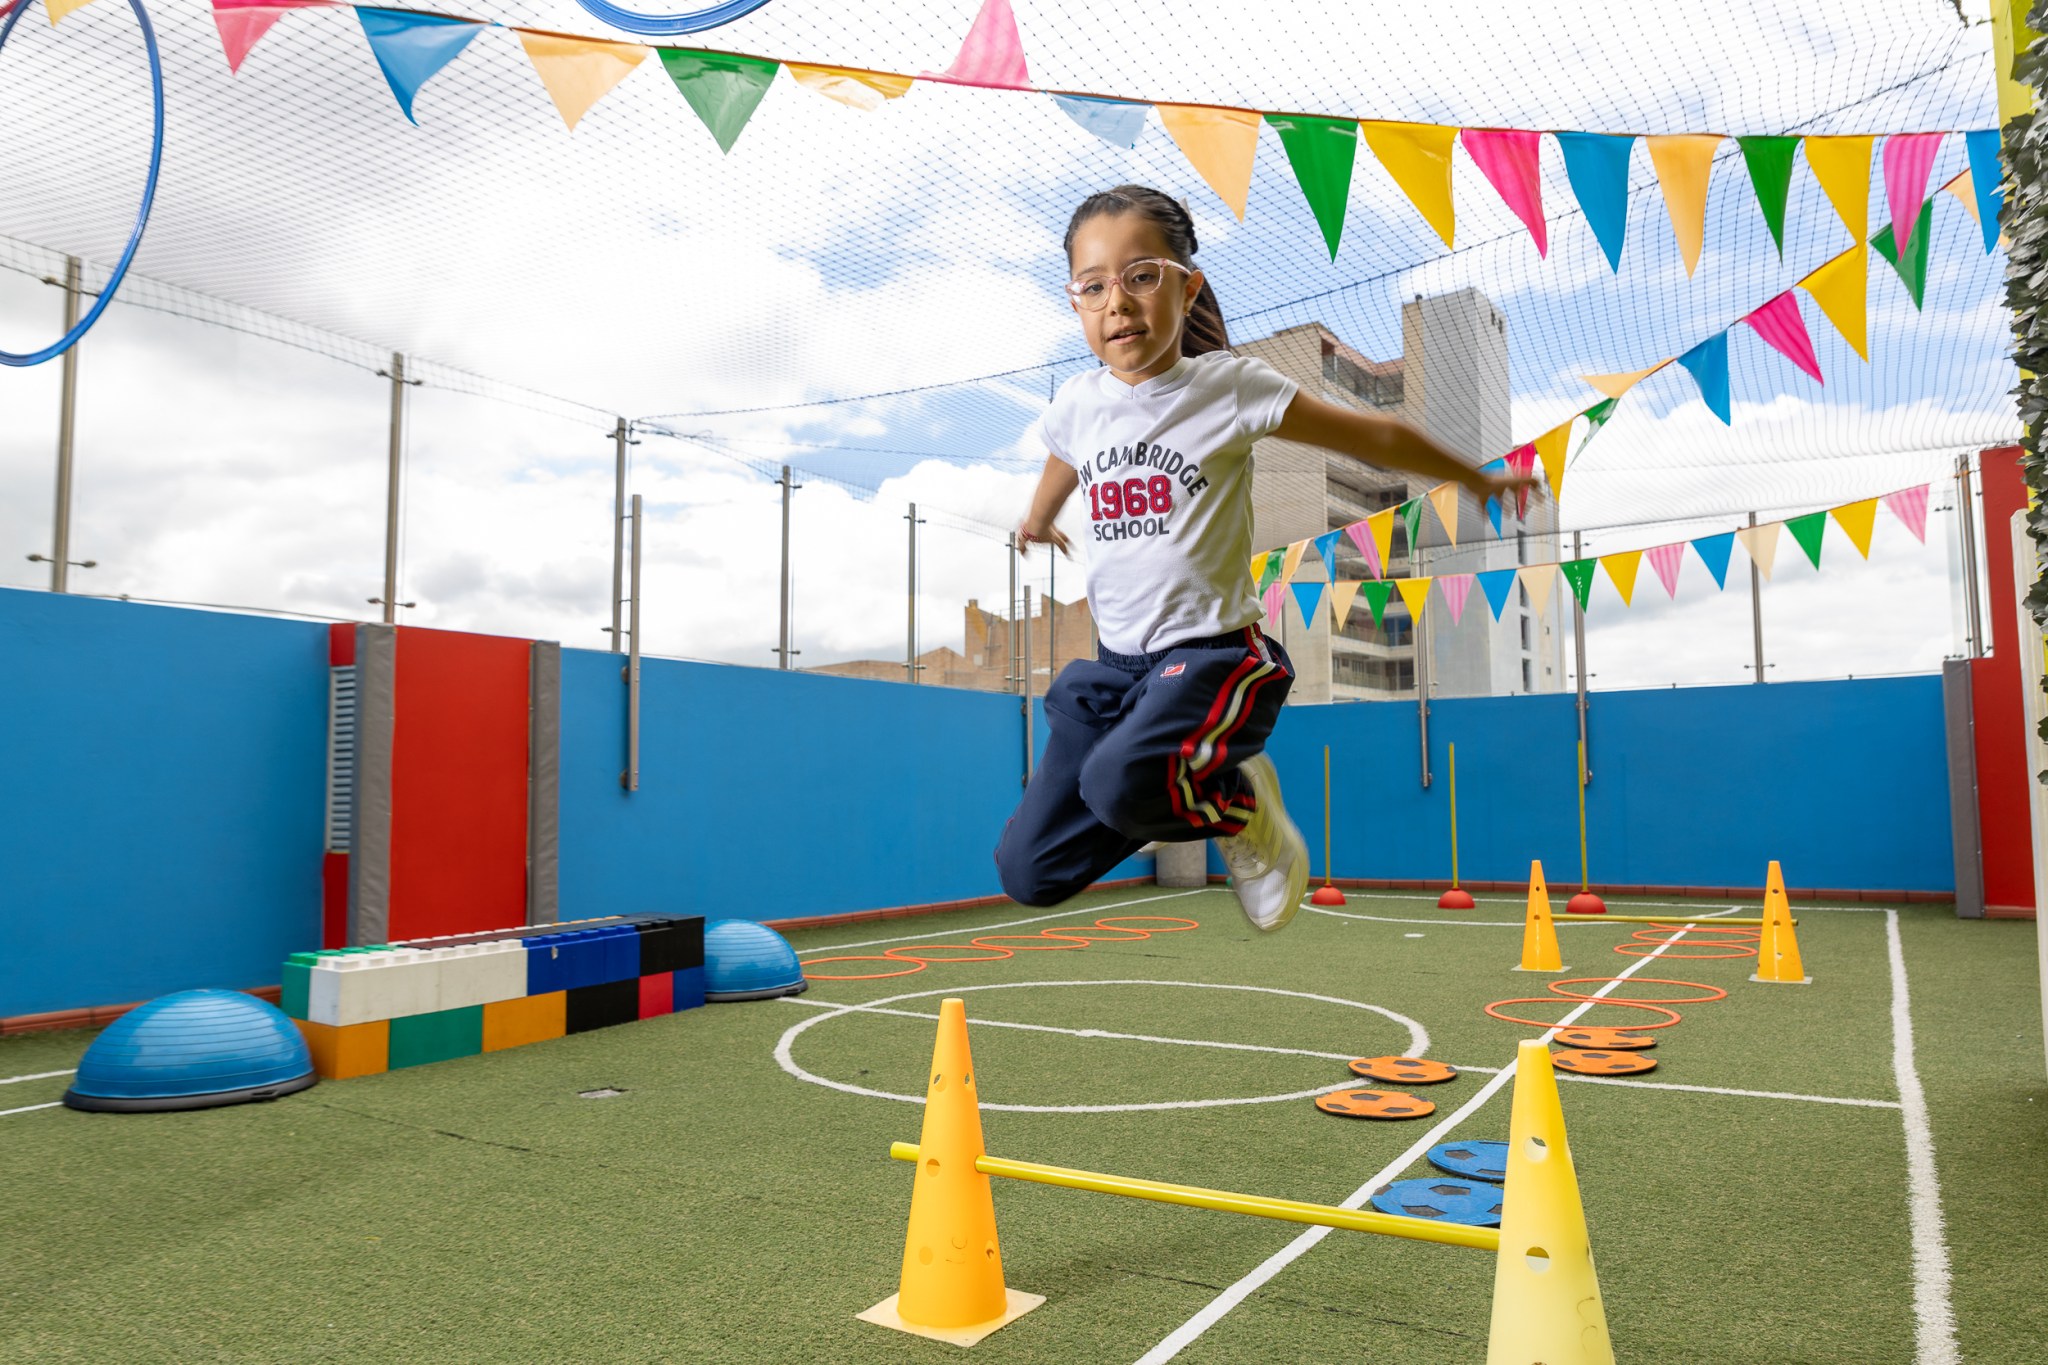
1376, 595
1910, 506
1308, 597
410, 48
1965, 191
1342, 593
1550, 451
1497, 584
1841, 288
1520, 461
1415, 593
1713, 552
1908, 159
1842, 166
1361, 537
1510, 159
1808, 530
57, 9
1538, 580
866, 91
1986, 178
1621, 571
1411, 517
1684, 161
1269, 573
1219, 144
1322, 151
1579, 573
993, 53
578, 72
1381, 525
1912, 266
1857, 518
1418, 157
1275, 601
1456, 588
1292, 560
1597, 166
1258, 569
1666, 560
1770, 174
1760, 543
723, 87
1707, 363
1493, 515
1444, 498
1326, 551
1596, 418
1784, 331
1615, 385
1118, 122
242, 25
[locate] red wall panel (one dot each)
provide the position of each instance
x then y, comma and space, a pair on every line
1999, 709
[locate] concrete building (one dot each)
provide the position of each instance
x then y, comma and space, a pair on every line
1451, 381
1061, 632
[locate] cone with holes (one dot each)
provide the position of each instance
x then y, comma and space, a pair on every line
1546, 1296
1777, 956
952, 1286
1539, 931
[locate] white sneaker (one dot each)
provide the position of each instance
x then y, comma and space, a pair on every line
1268, 862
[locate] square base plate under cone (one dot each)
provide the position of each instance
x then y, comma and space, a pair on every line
1773, 981
1019, 1303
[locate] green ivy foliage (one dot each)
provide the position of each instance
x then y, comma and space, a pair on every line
2024, 218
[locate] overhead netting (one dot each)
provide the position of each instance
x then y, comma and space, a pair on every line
852, 292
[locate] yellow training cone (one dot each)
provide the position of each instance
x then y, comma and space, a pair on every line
1777, 956
952, 1286
1546, 1297
1539, 932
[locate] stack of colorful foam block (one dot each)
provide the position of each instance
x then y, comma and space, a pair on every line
392, 1005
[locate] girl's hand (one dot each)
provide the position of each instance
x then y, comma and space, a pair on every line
1501, 486
1031, 533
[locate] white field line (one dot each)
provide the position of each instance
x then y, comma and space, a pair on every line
1184, 1335
1561, 921
29, 1108
36, 1076
1013, 923
1622, 902
1935, 1339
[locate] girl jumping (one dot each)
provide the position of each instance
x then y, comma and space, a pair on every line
1161, 738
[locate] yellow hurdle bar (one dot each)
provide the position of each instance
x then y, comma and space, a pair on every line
1706, 922
1258, 1205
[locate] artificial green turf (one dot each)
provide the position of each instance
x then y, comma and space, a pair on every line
720, 1209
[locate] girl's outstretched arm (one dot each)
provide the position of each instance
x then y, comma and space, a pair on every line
1389, 443
1055, 486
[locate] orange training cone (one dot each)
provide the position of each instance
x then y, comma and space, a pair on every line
952, 1284
1539, 932
1777, 956
1546, 1296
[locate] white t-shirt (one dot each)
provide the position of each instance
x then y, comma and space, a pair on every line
1166, 475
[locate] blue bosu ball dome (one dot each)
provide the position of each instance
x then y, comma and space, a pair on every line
748, 961
192, 1050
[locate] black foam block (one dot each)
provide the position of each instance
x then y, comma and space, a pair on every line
601, 1006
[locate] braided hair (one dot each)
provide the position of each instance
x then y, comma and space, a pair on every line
1204, 329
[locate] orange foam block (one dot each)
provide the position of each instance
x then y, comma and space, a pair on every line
529, 1019
344, 1050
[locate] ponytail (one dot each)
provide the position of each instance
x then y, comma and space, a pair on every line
1203, 329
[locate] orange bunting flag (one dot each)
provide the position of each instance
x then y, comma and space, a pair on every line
863, 90
1550, 449
1444, 498
59, 8
1415, 592
1760, 543
1857, 518
1292, 561
1539, 580
578, 72
1842, 289
1615, 385
1684, 161
1220, 144
1381, 525
1842, 166
1964, 188
1418, 157
1342, 594
1621, 571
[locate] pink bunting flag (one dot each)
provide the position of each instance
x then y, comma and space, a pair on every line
992, 55
1275, 600
1665, 559
1457, 587
1910, 506
1511, 160
1908, 157
1361, 536
1521, 460
242, 23
1783, 329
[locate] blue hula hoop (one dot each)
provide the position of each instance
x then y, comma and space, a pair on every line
156, 157
669, 25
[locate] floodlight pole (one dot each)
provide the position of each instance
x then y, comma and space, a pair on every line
1966, 522
393, 480
630, 778
1579, 652
910, 664
1010, 545
619, 436
1028, 755
1052, 616
1418, 630
1756, 607
783, 650
67, 420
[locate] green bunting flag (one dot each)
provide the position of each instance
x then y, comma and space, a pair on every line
1579, 572
1376, 592
1913, 269
1596, 418
1271, 571
1321, 150
1807, 530
1770, 173
1411, 516
722, 87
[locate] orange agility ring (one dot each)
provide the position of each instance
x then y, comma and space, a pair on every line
1177, 924
1032, 943
1374, 1104
810, 975
1713, 992
996, 947
1671, 954
909, 954
1403, 1070
1083, 932
1595, 1063
1605, 1039
1670, 1016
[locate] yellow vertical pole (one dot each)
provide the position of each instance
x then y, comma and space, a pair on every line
1326, 815
1454, 815
1584, 885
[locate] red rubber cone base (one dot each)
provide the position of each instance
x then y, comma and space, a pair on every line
1454, 899
1327, 895
1585, 903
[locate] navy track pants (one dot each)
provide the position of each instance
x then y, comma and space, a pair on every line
1142, 747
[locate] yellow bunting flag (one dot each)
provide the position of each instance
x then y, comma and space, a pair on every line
1550, 449
1415, 592
1684, 161
1219, 144
1381, 525
1760, 543
1538, 580
1258, 567
864, 90
59, 8
1342, 593
1444, 498
1418, 156
1621, 569
1615, 385
1842, 166
1292, 561
578, 72
1857, 518
1964, 188
1842, 289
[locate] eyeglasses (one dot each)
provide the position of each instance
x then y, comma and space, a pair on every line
1138, 279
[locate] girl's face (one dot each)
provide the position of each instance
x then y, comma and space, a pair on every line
1137, 336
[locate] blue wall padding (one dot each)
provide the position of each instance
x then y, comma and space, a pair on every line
162, 797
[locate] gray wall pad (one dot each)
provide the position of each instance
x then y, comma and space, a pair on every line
1960, 731
369, 863
543, 785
